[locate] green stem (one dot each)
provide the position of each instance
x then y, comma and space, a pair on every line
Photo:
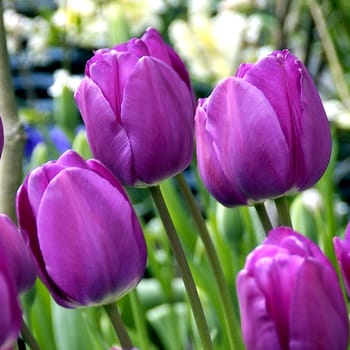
264, 217
118, 325
28, 337
225, 298
138, 314
248, 224
178, 251
11, 160
283, 211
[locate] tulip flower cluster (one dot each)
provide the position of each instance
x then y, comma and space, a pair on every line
256, 136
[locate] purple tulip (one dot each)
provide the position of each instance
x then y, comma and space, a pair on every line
82, 230
17, 255
263, 132
137, 104
11, 315
342, 251
290, 297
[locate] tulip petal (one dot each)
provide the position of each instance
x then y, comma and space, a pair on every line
248, 140
208, 165
257, 326
38, 181
100, 69
298, 106
276, 278
110, 72
17, 255
89, 255
11, 315
26, 220
158, 49
155, 45
295, 243
318, 313
104, 172
71, 158
278, 77
315, 134
28, 225
342, 251
108, 140
156, 103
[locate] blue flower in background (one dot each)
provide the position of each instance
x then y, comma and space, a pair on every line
34, 137
79, 128
59, 139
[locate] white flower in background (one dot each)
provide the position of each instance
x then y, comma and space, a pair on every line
254, 26
312, 199
199, 7
105, 24
234, 4
88, 8
210, 45
38, 39
337, 113
32, 31
140, 14
17, 28
85, 26
62, 78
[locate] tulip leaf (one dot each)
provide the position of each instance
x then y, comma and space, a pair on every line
40, 318
179, 215
71, 330
171, 325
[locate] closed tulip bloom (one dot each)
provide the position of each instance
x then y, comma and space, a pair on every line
17, 254
290, 297
82, 230
263, 132
11, 315
342, 251
138, 108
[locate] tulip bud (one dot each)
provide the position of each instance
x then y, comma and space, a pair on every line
82, 230
17, 255
263, 132
138, 108
290, 297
